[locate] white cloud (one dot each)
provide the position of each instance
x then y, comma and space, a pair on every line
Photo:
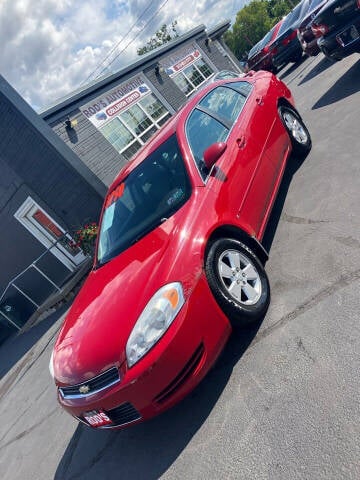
50, 47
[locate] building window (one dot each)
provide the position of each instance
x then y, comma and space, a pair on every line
133, 127
127, 116
40, 224
193, 76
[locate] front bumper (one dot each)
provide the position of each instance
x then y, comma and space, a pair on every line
168, 372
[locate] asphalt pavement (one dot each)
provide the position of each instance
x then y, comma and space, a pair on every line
283, 401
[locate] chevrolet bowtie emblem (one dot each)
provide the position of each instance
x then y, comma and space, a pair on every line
84, 389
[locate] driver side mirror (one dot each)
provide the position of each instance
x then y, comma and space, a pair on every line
213, 153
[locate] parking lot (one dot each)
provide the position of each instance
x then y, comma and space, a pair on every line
283, 401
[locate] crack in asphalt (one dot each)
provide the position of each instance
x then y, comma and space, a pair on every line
301, 220
340, 283
62, 472
28, 430
348, 241
304, 350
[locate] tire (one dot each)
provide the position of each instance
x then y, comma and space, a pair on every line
238, 281
332, 56
296, 128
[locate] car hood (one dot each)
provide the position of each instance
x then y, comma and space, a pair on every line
97, 327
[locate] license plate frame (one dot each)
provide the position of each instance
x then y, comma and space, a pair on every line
349, 35
97, 418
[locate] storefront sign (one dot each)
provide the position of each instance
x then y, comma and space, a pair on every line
104, 108
182, 63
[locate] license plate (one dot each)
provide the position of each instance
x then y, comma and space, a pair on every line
348, 36
97, 418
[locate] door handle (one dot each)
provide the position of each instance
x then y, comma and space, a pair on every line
241, 141
259, 100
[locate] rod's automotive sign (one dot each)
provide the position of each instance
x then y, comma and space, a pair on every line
104, 108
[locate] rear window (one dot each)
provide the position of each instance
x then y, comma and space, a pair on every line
294, 15
150, 194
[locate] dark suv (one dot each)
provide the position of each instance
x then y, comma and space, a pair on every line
337, 25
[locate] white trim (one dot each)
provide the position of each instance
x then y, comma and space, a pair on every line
44, 237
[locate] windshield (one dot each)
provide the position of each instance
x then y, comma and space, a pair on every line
149, 195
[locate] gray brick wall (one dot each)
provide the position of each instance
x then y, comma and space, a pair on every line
166, 87
34, 162
43, 169
90, 146
216, 56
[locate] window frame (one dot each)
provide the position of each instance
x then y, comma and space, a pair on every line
218, 118
187, 79
138, 138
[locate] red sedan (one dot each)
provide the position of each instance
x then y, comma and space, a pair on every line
179, 260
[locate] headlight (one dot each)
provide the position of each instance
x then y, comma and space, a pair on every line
156, 318
51, 365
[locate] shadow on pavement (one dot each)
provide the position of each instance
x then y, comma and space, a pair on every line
292, 68
346, 86
15, 347
147, 450
294, 163
323, 65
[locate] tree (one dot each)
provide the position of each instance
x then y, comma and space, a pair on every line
253, 22
161, 36
277, 9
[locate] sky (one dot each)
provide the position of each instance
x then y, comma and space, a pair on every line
51, 47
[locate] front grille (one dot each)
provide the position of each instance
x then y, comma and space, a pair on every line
125, 413
180, 379
95, 384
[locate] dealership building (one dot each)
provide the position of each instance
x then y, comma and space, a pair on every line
107, 122
56, 165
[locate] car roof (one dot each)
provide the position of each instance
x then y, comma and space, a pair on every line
170, 127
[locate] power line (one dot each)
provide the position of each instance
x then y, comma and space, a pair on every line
123, 38
118, 43
136, 36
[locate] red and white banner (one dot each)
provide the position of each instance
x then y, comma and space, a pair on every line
103, 109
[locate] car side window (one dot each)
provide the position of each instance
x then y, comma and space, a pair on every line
224, 102
244, 88
213, 118
203, 130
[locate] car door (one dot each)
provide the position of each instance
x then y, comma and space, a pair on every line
250, 173
256, 147
239, 114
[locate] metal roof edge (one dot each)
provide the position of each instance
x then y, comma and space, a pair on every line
219, 29
144, 60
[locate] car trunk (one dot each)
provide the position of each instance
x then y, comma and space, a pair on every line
338, 13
